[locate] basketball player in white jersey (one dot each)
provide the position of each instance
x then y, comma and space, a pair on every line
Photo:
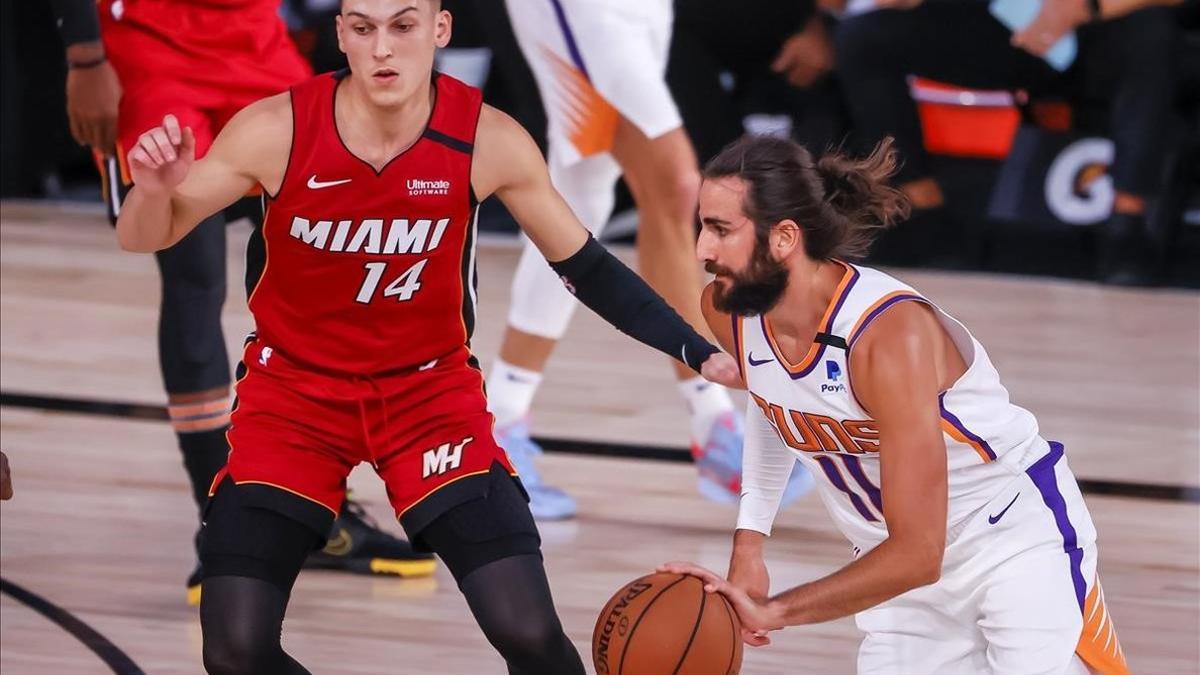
600, 67
974, 551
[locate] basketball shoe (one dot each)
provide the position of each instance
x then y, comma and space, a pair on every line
355, 544
545, 502
719, 464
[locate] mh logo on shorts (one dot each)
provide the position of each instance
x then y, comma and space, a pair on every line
443, 458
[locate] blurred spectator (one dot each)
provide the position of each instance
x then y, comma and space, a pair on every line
728, 62
1125, 46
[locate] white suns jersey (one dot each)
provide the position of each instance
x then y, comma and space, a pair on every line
812, 407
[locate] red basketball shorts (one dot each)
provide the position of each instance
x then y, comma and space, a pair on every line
295, 435
201, 63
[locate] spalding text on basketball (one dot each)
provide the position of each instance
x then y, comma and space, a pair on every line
616, 616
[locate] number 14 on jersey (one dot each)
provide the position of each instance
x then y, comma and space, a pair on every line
402, 287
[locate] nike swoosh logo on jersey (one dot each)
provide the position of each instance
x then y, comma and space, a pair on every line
753, 362
992, 520
314, 184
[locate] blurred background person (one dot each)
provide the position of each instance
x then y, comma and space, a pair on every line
1128, 47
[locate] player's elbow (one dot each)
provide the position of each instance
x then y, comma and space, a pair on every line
928, 574
129, 241
136, 239
926, 567
920, 561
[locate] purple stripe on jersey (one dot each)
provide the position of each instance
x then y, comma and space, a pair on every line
866, 321
854, 466
957, 424
572, 47
862, 326
1042, 474
826, 327
835, 477
737, 344
854, 275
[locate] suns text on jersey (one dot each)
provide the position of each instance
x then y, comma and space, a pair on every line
810, 432
377, 236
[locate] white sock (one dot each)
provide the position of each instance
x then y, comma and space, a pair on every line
706, 401
510, 391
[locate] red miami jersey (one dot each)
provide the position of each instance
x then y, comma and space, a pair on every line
362, 272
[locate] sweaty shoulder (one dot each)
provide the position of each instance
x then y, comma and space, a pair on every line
505, 154
258, 139
720, 323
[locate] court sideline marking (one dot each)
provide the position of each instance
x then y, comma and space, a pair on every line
1151, 491
109, 653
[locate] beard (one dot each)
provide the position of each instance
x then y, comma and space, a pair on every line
752, 292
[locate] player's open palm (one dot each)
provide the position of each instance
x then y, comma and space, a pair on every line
163, 156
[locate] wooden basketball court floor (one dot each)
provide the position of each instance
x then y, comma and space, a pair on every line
102, 521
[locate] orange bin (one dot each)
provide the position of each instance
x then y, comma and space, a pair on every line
965, 122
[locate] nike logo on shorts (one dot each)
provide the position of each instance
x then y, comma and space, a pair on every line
992, 520
314, 184
753, 362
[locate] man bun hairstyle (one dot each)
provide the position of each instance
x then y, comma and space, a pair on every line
839, 202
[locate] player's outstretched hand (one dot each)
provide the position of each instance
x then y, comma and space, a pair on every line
758, 617
163, 156
722, 369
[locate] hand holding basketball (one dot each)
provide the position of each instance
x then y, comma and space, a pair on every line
163, 155
757, 616
722, 369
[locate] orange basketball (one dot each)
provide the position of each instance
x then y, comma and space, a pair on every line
664, 624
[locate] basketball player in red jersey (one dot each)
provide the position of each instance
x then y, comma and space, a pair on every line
363, 281
202, 62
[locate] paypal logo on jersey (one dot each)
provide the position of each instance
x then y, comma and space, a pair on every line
832, 370
833, 373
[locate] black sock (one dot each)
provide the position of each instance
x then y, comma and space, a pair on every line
204, 453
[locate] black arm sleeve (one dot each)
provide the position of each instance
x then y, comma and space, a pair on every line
77, 20
620, 297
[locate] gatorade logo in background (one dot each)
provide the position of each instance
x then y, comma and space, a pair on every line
1079, 190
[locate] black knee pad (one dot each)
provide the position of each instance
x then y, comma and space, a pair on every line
191, 343
483, 530
240, 539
